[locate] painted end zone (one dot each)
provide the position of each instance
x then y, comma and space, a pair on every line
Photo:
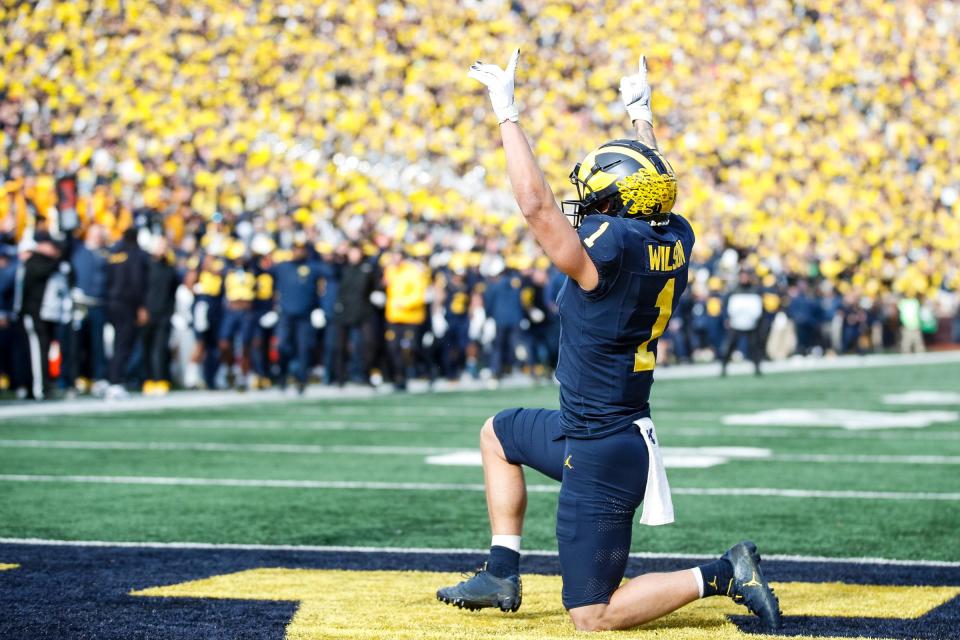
183, 593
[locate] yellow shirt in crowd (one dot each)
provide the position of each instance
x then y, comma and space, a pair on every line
407, 285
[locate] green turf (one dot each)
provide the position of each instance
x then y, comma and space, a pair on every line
688, 414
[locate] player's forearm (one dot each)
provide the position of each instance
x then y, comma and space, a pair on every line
530, 187
645, 133
553, 233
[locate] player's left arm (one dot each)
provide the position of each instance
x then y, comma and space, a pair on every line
635, 92
534, 196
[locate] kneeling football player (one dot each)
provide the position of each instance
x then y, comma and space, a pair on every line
625, 257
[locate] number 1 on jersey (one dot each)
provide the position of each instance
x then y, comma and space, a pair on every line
591, 240
645, 360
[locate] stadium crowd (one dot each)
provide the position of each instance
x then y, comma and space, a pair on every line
235, 192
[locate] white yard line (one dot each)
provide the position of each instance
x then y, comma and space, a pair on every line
206, 399
138, 403
814, 433
408, 411
811, 364
211, 546
123, 422
229, 399
257, 483
314, 449
813, 493
293, 425
441, 486
294, 448
864, 459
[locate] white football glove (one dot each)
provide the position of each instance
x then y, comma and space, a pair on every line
318, 318
475, 328
438, 322
488, 332
269, 319
635, 92
201, 321
499, 83
180, 322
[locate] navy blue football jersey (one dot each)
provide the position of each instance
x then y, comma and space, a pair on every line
608, 336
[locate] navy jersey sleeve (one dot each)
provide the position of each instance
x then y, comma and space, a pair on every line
686, 232
602, 238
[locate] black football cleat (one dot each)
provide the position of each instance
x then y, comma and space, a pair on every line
483, 590
748, 586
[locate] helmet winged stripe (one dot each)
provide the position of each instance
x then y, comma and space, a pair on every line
624, 178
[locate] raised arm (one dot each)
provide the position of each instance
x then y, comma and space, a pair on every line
645, 133
534, 196
554, 234
635, 91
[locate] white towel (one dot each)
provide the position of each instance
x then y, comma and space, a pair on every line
657, 504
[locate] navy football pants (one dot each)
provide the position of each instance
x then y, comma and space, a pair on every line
295, 336
602, 484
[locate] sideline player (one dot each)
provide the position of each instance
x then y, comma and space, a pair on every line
626, 261
239, 294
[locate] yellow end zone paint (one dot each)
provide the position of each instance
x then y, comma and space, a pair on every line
402, 604
838, 600
8, 567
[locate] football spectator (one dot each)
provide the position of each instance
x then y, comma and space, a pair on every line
237, 324
354, 314
262, 305
39, 261
206, 281
160, 303
13, 358
296, 281
89, 261
454, 301
713, 316
407, 281
126, 295
854, 324
743, 310
805, 311
770, 290
503, 304
911, 333
328, 290
535, 328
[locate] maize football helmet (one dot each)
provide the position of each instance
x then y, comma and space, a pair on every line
623, 178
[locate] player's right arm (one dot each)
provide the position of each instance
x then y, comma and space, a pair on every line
635, 92
534, 196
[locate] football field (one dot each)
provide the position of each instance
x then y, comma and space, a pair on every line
339, 517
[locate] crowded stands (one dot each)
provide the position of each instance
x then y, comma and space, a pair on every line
263, 193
